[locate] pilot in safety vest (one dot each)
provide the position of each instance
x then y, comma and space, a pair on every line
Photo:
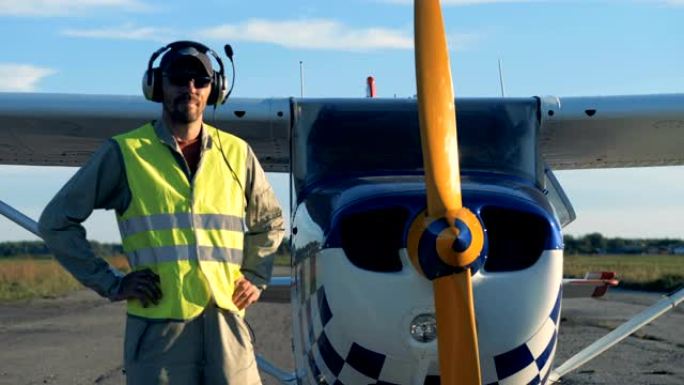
189, 234
199, 224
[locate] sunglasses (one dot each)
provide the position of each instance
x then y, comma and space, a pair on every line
181, 80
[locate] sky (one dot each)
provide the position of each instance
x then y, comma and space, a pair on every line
560, 48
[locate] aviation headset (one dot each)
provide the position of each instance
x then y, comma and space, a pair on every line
152, 80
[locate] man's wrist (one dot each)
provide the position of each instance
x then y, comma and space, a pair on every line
255, 280
114, 292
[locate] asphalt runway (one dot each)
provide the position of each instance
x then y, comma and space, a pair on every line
78, 340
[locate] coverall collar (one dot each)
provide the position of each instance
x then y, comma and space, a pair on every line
164, 135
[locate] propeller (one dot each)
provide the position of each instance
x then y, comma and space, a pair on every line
445, 239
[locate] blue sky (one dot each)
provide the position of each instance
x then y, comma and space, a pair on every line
561, 48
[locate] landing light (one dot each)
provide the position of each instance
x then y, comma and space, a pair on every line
424, 328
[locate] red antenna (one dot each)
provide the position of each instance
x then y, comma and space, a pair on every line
370, 87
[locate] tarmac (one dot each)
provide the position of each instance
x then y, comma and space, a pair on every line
78, 340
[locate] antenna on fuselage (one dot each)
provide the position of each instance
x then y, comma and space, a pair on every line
501, 81
301, 79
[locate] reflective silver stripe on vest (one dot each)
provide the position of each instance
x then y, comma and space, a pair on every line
136, 225
154, 255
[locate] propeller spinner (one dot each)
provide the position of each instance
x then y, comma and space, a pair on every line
448, 237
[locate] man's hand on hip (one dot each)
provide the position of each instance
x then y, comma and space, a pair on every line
245, 293
142, 285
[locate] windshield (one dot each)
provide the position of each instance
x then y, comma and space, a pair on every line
336, 139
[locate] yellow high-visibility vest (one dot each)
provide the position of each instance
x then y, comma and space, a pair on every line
190, 233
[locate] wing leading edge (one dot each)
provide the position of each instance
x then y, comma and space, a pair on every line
63, 130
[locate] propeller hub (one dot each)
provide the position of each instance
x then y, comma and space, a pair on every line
446, 245
463, 236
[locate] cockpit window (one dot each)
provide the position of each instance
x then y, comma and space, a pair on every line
559, 201
345, 139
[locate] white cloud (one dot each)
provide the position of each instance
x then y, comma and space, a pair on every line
49, 8
318, 34
21, 77
311, 34
124, 32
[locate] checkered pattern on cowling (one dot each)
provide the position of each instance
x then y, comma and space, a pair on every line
354, 364
530, 362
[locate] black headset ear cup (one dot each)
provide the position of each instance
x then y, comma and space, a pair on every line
157, 81
147, 85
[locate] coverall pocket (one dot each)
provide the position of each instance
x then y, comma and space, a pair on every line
241, 332
231, 361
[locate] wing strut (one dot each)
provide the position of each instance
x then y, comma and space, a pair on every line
282, 376
604, 343
19, 218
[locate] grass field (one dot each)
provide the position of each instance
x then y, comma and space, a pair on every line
27, 277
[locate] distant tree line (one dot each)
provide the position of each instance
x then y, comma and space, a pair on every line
38, 249
595, 243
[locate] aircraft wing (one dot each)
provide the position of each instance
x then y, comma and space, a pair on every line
576, 132
612, 131
63, 130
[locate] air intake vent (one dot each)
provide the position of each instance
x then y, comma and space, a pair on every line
515, 239
372, 239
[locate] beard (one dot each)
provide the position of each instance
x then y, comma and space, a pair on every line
184, 109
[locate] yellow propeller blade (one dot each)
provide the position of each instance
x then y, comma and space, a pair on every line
437, 111
457, 337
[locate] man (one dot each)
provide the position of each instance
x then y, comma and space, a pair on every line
182, 191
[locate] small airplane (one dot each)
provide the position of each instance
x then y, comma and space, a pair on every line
385, 193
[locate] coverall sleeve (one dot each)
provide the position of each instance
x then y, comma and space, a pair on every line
265, 225
100, 183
